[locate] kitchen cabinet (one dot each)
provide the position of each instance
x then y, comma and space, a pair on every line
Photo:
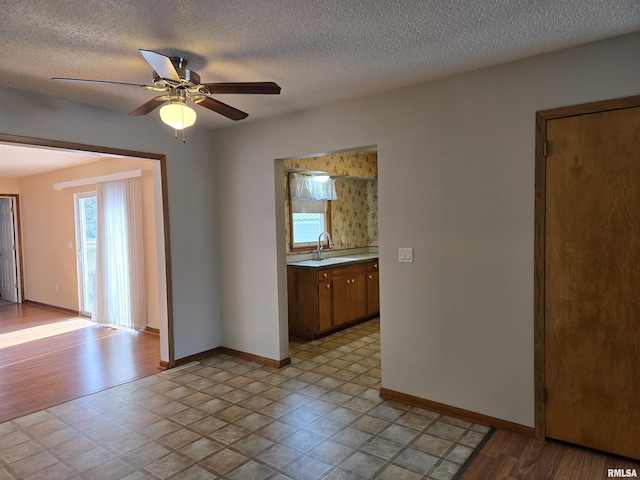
349, 293
373, 288
325, 306
322, 300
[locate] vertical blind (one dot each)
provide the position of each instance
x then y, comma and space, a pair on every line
120, 285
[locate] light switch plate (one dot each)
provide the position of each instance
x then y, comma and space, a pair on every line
405, 255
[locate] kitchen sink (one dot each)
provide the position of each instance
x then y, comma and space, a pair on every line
326, 262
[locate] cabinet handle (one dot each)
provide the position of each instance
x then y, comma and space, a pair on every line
353, 280
328, 286
370, 276
375, 265
348, 282
324, 275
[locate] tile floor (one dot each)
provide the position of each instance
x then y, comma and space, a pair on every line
227, 418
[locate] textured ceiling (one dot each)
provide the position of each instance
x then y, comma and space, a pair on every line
318, 51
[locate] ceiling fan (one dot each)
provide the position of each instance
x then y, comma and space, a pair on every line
180, 85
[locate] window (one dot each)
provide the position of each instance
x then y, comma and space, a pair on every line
308, 219
86, 223
310, 209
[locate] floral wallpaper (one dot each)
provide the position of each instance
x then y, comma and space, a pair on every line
354, 215
372, 213
351, 164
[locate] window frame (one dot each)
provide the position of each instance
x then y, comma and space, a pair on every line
309, 246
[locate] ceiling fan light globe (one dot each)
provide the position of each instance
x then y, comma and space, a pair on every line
178, 115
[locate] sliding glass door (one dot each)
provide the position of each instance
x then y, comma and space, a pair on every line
85, 210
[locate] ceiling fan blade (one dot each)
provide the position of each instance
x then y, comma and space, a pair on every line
99, 82
161, 64
148, 107
261, 88
222, 108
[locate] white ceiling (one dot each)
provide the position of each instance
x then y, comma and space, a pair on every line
318, 51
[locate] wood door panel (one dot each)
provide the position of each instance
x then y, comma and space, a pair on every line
592, 281
341, 300
373, 292
324, 306
358, 296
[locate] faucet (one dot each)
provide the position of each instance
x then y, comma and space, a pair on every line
319, 251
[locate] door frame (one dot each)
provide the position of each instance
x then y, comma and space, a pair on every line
159, 161
542, 117
17, 236
80, 245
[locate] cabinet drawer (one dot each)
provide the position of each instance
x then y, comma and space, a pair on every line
324, 275
347, 270
372, 266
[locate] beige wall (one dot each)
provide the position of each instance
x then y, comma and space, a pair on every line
9, 185
48, 234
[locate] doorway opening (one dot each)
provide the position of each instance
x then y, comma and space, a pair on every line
352, 228
160, 231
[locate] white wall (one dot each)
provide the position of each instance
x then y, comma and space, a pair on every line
191, 176
456, 183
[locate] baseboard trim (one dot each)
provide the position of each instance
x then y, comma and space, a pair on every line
456, 412
52, 307
197, 357
155, 331
162, 366
256, 358
234, 353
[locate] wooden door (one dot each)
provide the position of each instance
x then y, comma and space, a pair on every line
592, 281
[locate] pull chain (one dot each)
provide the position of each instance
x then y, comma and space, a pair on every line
175, 135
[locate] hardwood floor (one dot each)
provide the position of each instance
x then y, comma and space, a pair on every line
510, 456
48, 357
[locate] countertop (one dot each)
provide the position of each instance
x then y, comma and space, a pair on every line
337, 260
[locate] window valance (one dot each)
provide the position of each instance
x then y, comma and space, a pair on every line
305, 187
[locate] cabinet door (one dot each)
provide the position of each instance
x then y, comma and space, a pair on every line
341, 290
373, 292
324, 306
358, 296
